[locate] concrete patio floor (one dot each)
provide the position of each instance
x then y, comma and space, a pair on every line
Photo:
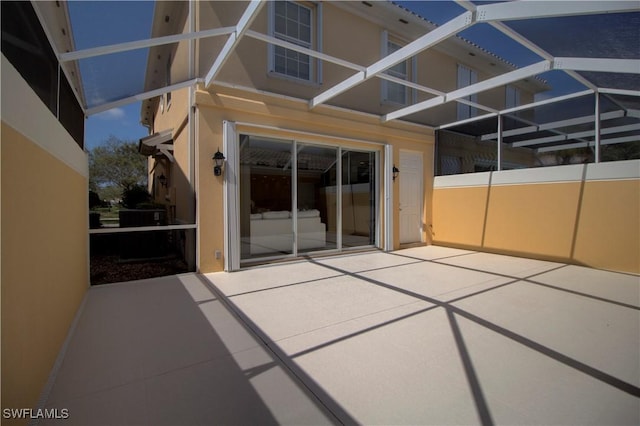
427, 335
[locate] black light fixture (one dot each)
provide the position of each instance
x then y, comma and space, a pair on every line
218, 159
396, 172
163, 180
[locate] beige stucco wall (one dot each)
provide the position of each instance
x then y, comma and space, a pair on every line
289, 119
349, 37
44, 253
583, 214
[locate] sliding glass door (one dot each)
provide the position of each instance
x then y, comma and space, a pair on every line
317, 174
358, 198
265, 197
297, 198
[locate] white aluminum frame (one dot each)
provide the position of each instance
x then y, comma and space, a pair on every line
242, 26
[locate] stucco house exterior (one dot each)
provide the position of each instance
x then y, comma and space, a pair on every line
298, 180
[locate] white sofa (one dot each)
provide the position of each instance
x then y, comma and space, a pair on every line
272, 232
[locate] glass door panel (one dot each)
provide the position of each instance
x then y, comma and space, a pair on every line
317, 169
266, 228
358, 199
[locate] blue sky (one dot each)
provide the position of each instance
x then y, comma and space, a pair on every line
98, 23
107, 78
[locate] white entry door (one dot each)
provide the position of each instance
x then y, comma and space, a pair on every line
411, 196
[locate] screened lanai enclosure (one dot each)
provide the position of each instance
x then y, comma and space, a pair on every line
581, 59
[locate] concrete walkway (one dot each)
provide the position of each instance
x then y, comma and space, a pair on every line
426, 335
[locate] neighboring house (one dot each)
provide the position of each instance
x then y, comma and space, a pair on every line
301, 180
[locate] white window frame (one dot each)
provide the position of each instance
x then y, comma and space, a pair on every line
465, 77
409, 75
315, 66
512, 97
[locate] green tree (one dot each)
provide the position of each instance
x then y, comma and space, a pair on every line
116, 164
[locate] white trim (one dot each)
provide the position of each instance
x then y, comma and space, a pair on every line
141, 229
234, 38
305, 133
553, 174
614, 170
24, 111
140, 44
462, 180
231, 197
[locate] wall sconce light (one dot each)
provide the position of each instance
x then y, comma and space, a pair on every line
396, 172
218, 159
163, 180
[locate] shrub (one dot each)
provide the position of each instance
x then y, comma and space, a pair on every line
94, 200
135, 195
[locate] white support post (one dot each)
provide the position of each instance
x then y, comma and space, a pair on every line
230, 201
597, 127
388, 197
499, 142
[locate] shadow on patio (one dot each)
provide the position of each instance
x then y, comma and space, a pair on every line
426, 335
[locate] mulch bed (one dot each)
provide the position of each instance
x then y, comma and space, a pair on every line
110, 269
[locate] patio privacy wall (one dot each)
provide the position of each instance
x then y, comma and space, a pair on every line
44, 259
588, 214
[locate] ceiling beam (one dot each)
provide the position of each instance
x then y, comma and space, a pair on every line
141, 44
625, 66
140, 97
548, 9
610, 141
554, 125
482, 86
234, 38
306, 51
422, 43
578, 135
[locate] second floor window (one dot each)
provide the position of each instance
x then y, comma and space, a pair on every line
395, 92
512, 97
467, 77
292, 22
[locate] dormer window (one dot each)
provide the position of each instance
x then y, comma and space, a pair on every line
293, 22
